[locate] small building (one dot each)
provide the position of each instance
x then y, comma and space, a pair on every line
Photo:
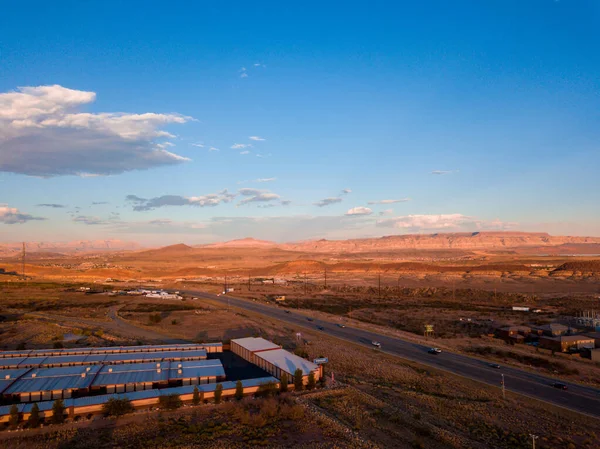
515, 334
246, 348
279, 298
279, 361
551, 330
566, 343
595, 355
594, 335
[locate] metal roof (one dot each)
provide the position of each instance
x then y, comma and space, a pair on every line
287, 361
194, 369
60, 359
8, 376
11, 362
131, 374
51, 379
253, 344
23, 353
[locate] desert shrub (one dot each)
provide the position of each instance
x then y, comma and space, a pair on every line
117, 407
21, 346
58, 345
239, 390
174, 322
218, 393
170, 402
267, 390
196, 396
34, 416
269, 408
298, 381
283, 386
58, 412
155, 318
13, 418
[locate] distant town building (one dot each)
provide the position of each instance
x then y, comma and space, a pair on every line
551, 330
566, 343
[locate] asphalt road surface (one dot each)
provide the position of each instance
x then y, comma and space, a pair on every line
578, 398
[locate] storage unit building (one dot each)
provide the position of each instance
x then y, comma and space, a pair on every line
246, 348
278, 361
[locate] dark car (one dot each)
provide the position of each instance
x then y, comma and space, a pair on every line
494, 365
435, 351
341, 325
309, 319
320, 328
560, 386
286, 311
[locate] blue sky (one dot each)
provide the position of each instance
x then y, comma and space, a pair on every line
470, 115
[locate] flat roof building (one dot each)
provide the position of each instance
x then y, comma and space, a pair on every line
247, 347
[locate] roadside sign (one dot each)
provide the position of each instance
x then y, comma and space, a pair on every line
321, 360
429, 328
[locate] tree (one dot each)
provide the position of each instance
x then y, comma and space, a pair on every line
312, 383
283, 386
34, 416
239, 390
196, 396
13, 418
218, 393
117, 407
170, 401
298, 380
58, 412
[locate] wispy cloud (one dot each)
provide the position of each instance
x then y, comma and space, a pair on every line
199, 145
257, 196
266, 179
239, 146
416, 223
359, 211
328, 201
52, 205
245, 152
256, 138
97, 203
244, 75
386, 212
443, 172
263, 155
213, 149
346, 191
12, 215
43, 124
401, 200
212, 199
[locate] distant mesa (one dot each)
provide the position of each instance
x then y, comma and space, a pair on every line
242, 243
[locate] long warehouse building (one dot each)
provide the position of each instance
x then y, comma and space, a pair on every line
208, 347
273, 359
76, 381
95, 359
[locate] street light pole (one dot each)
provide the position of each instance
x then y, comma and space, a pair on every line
533, 438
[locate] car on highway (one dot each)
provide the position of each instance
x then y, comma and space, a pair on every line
341, 325
320, 328
376, 344
310, 319
494, 365
435, 351
560, 386
286, 311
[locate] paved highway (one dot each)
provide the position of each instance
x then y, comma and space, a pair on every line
579, 398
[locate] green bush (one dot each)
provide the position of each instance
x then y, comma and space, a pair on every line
283, 386
117, 407
34, 416
312, 383
170, 402
196, 396
58, 412
298, 381
239, 390
13, 419
218, 393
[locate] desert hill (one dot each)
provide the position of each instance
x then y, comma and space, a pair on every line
77, 246
242, 243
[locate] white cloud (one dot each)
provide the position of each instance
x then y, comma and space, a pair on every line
256, 138
212, 199
443, 172
12, 215
42, 133
328, 201
199, 145
239, 146
213, 149
257, 196
266, 179
346, 191
415, 223
245, 152
244, 75
359, 211
401, 200
52, 205
386, 212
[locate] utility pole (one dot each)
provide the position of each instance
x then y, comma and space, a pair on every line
23, 262
533, 438
504, 394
